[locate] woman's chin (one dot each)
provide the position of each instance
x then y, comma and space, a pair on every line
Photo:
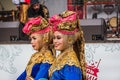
35, 48
58, 49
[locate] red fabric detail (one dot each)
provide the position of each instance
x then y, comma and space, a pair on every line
27, 1
47, 29
29, 24
34, 21
56, 20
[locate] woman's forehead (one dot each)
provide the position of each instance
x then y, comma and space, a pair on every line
35, 35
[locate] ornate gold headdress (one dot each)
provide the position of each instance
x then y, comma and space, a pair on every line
65, 22
36, 25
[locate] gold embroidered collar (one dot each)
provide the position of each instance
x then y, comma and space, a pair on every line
67, 57
44, 56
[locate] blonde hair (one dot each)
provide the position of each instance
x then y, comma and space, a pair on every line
79, 48
78, 42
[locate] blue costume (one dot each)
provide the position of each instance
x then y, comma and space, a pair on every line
66, 67
38, 66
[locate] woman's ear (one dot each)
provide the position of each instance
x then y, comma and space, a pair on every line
70, 40
45, 38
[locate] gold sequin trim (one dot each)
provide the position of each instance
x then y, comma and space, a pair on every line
44, 56
66, 13
68, 57
68, 25
43, 24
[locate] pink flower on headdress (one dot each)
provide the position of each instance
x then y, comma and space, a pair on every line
65, 22
54, 20
29, 24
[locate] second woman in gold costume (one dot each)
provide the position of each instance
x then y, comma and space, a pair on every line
68, 39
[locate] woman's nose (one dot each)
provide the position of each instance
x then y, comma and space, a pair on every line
54, 40
31, 41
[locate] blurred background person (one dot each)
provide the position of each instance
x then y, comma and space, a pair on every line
36, 9
22, 6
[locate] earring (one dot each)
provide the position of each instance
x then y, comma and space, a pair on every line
70, 40
45, 37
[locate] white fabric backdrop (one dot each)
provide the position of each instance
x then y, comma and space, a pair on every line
102, 60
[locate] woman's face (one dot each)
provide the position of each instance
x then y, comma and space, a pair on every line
36, 41
60, 41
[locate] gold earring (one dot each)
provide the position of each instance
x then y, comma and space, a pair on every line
70, 40
45, 39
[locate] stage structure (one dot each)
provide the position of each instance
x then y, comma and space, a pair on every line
109, 10
93, 29
9, 31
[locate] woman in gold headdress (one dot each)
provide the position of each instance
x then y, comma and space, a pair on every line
68, 39
40, 33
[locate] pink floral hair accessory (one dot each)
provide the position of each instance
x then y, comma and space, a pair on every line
66, 22
36, 25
